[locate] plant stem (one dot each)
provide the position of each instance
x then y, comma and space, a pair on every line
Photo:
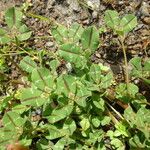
115, 110
126, 63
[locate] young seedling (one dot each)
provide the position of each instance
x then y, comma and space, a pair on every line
121, 26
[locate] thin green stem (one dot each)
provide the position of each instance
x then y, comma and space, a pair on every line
126, 63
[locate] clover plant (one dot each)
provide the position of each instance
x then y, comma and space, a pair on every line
71, 108
15, 29
121, 26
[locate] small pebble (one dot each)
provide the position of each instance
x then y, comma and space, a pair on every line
49, 44
136, 81
146, 20
95, 14
38, 111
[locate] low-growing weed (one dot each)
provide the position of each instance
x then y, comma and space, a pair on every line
71, 108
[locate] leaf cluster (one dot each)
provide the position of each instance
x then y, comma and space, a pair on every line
72, 109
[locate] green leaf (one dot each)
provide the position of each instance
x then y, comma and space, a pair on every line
110, 134
27, 64
143, 121
60, 144
66, 84
54, 132
73, 54
136, 66
138, 141
139, 120
106, 120
118, 144
127, 23
123, 26
122, 128
20, 109
111, 18
95, 73
2, 32
42, 79
43, 144
24, 36
7, 136
96, 136
82, 93
99, 104
12, 120
63, 142
130, 116
106, 81
85, 124
53, 65
75, 32
33, 97
23, 29
73, 89
69, 126
96, 122
60, 33
13, 17
146, 67
123, 94
59, 114
96, 76
4, 39
4, 102
90, 39
133, 89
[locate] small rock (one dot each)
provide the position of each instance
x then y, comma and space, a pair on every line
133, 52
138, 27
144, 32
94, 4
38, 111
86, 22
74, 5
95, 14
84, 16
144, 9
98, 55
102, 8
136, 81
50, 4
146, 20
49, 44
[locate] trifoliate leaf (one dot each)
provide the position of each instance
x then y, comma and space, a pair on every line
13, 17
43, 79
111, 18
28, 64
12, 120
75, 32
60, 33
90, 39
85, 124
127, 23
59, 114
73, 54
33, 97
24, 36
